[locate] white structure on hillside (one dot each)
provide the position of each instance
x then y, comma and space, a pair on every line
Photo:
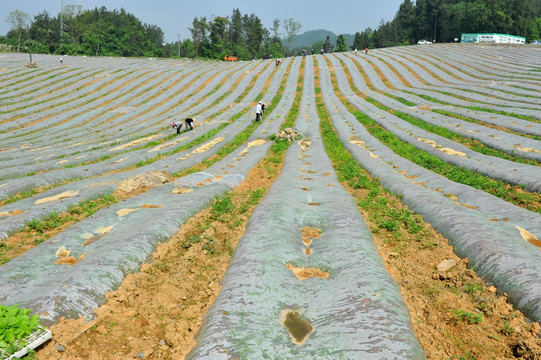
492, 39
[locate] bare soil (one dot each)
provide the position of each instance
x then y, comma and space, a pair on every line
156, 313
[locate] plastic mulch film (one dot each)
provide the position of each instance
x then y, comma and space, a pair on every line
306, 281
69, 274
481, 227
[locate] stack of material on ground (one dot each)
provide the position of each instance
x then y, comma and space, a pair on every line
289, 134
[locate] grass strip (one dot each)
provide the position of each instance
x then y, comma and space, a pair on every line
478, 108
40, 230
410, 249
349, 172
514, 194
472, 144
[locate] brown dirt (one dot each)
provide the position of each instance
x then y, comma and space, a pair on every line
158, 310
307, 273
441, 303
27, 239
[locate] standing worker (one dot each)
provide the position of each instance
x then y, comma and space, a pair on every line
258, 112
366, 50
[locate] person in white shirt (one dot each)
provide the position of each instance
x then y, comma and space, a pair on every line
258, 112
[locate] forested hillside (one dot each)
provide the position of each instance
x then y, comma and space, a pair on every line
85, 32
443, 21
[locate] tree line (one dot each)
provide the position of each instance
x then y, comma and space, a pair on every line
84, 32
243, 36
445, 20
118, 33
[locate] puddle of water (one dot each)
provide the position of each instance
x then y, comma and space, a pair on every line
299, 328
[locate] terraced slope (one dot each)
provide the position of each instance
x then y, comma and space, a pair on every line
454, 130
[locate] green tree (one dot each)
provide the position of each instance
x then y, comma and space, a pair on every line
317, 46
276, 30
341, 44
18, 21
199, 31
218, 37
291, 28
187, 49
405, 18
253, 28
45, 33
155, 35
72, 27
236, 30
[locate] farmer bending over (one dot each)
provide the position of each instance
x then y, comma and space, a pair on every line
189, 123
178, 125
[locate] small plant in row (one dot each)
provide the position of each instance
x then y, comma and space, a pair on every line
471, 318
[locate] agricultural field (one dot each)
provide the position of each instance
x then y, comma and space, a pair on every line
388, 206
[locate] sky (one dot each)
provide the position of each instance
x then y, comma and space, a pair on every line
174, 17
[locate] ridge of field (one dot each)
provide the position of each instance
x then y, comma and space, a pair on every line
454, 130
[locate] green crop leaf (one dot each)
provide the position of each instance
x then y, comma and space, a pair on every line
8, 335
15, 325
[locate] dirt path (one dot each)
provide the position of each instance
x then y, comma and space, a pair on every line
455, 314
156, 313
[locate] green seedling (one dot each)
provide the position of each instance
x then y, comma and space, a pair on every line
472, 318
472, 289
467, 356
506, 328
15, 324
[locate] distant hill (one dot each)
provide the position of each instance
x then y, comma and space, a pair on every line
308, 38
